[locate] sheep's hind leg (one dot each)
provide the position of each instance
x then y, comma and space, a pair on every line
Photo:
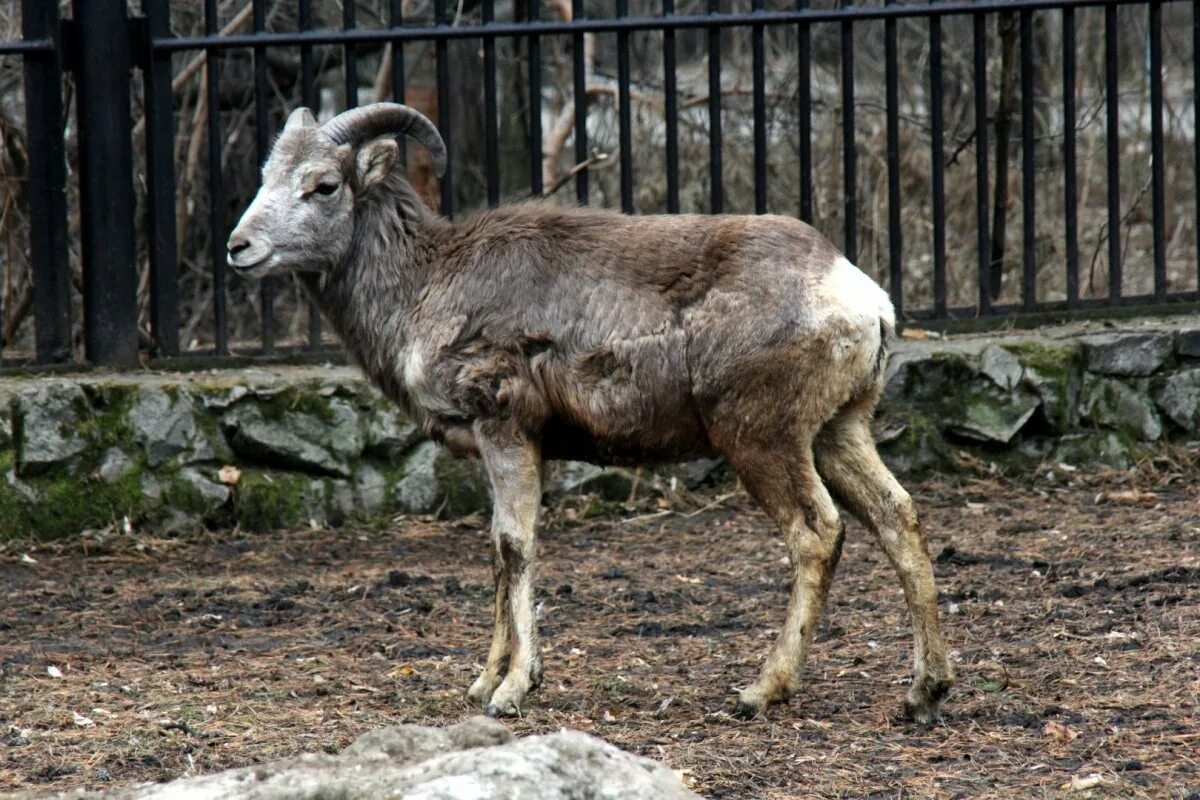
790, 491
514, 467
485, 685
850, 464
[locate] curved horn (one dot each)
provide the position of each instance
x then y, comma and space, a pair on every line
378, 119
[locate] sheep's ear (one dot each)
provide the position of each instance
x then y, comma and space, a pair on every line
375, 160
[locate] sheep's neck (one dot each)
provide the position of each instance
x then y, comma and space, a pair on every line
370, 298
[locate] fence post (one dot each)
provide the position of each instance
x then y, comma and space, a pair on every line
46, 189
160, 182
105, 60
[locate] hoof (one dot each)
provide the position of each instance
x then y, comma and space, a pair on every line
482, 689
507, 710
744, 710
753, 701
926, 695
506, 701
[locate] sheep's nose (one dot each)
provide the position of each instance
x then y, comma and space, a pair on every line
246, 252
237, 244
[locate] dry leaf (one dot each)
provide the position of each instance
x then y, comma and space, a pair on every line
1061, 734
229, 475
1128, 497
1082, 783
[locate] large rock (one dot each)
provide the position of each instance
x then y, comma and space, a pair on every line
474, 760
987, 416
322, 440
1094, 450
387, 434
164, 424
1127, 354
608, 483
1189, 343
1113, 404
1052, 371
434, 480
1001, 366
5, 420
1179, 399
51, 420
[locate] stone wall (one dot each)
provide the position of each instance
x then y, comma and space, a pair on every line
292, 446
1083, 395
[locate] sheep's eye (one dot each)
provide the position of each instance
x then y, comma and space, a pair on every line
326, 188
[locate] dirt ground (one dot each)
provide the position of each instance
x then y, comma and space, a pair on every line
1070, 603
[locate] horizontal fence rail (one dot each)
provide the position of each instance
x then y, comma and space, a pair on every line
984, 161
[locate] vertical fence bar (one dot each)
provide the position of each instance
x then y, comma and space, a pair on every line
1113, 158
106, 196
262, 130
1070, 199
350, 56
1028, 219
396, 20
160, 183
671, 111
309, 99
215, 185
982, 238
308, 89
491, 116
715, 168
442, 50
759, 73
625, 132
579, 75
1156, 150
1196, 130
46, 188
849, 151
937, 159
804, 93
895, 240
535, 105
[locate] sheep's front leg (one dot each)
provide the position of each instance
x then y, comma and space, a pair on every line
514, 466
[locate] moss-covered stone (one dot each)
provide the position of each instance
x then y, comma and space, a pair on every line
434, 480
1094, 449
1052, 371
1119, 406
464, 486
264, 500
1178, 396
67, 504
913, 445
166, 424
50, 428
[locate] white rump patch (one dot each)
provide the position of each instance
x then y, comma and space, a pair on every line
852, 290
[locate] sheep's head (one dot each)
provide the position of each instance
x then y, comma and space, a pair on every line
302, 218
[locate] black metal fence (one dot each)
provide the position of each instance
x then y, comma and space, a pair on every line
103, 51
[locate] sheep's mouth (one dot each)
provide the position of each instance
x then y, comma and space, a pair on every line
253, 269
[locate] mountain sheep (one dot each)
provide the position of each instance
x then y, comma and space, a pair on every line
533, 332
